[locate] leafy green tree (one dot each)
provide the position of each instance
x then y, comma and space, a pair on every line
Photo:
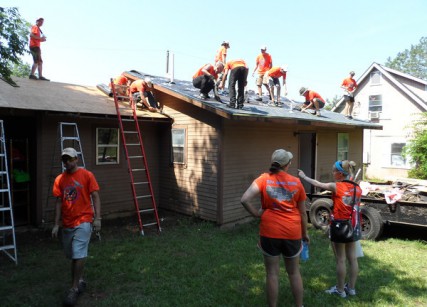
411, 61
21, 70
417, 148
331, 104
14, 33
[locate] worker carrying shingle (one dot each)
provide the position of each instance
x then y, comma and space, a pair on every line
312, 101
141, 91
205, 78
239, 74
272, 78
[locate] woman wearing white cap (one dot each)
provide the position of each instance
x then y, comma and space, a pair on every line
283, 223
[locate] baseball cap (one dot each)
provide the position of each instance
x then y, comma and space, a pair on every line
281, 156
302, 90
352, 73
226, 43
148, 81
263, 47
41, 18
69, 151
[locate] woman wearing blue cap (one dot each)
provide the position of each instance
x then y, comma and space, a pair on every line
346, 206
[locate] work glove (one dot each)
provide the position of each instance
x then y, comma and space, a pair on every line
55, 231
97, 224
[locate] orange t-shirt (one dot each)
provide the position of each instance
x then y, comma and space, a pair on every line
263, 62
138, 86
207, 67
74, 190
280, 194
310, 95
349, 83
36, 31
121, 80
276, 72
233, 64
342, 199
221, 54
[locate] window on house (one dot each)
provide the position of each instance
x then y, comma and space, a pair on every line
107, 146
375, 78
178, 145
342, 153
375, 103
396, 158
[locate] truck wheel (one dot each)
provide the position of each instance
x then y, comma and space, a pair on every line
320, 211
372, 223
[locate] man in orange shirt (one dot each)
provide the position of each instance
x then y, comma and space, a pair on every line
349, 85
141, 91
121, 85
263, 63
312, 101
221, 54
36, 36
205, 78
271, 78
239, 74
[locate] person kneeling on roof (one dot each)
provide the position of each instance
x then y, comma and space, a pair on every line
205, 78
312, 101
141, 92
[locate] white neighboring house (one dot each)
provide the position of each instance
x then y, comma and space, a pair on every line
392, 99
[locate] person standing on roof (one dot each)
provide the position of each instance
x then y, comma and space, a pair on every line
263, 63
221, 56
272, 79
312, 101
74, 189
141, 91
239, 74
36, 37
205, 78
349, 85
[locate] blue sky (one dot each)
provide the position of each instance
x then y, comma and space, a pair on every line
88, 42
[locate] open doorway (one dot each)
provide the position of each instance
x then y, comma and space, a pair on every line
307, 154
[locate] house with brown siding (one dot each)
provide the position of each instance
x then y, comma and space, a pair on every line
202, 155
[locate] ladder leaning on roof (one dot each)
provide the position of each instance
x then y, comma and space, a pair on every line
67, 136
7, 224
142, 189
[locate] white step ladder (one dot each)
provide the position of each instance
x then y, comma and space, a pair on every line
68, 136
7, 226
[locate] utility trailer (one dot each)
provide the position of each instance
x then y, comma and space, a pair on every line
375, 212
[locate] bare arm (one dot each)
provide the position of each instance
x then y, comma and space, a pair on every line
96, 204
303, 213
251, 193
325, 186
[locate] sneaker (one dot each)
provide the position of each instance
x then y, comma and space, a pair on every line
317, 113
71, 297
43, 79
82, 286
258, 99
240, 106
231, 106
349, 291
335, 291
32, 77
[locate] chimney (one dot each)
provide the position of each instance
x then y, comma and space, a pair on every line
170, 71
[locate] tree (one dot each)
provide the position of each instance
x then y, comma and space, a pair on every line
417, 148
412, 61
13, 41
22, 70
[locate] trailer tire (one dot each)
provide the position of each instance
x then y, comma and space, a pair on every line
320, 211
372, 223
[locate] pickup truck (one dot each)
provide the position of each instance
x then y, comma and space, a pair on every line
376, 210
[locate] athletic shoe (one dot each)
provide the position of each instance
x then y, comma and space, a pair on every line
82, 286
317, 113
32, 77
335, 291
43, 79
258, 99
232, 106
349, 290
71, 297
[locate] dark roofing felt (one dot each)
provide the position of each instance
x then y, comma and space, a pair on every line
252, 109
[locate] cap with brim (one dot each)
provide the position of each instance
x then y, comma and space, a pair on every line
41, 18
281, 156
69, 152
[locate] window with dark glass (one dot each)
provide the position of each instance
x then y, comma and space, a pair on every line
107, 146
178, 145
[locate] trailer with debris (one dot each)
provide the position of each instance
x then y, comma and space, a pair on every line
391, 203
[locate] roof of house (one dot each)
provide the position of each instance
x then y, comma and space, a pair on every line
252, 110
391, 75
61, 97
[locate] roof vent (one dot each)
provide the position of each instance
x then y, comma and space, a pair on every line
170, 70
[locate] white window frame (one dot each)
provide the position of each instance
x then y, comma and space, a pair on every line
112, 147
375, 107
179, 145
342, 146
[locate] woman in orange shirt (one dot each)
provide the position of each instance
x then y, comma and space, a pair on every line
283, 223
343, 192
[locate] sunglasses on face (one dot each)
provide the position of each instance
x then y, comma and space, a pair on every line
66, 159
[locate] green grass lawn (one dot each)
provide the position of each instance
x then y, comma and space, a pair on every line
194, 263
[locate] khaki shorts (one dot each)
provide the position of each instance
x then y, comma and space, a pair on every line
259, 80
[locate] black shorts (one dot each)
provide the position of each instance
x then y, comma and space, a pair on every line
277, 247
348, 98
37, 54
